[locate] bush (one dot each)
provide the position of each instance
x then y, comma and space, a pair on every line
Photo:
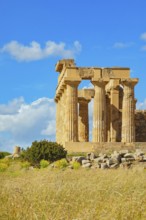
61, 163
3, 154
5, 161
25, 165
44, 163
3, 167
76, 165
44, 149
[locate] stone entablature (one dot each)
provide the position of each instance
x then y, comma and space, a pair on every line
114, 104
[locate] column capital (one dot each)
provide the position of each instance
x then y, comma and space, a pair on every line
72, 82
129, 82
83, 100
100, 82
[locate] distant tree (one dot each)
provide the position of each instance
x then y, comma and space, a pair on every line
3, 154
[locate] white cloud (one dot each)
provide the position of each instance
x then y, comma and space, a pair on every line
143, 36
141, 105
89, 86
34, 51
121, 45
12, 107
27, 122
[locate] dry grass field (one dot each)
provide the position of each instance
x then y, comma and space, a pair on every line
83, 194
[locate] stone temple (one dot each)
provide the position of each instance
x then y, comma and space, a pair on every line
114, 104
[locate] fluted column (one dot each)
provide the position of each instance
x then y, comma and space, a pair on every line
108, 117
57, 117
114, 113
128, 110
72, 111
83, 123
99, 112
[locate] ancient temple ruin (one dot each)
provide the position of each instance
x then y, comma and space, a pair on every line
113, 100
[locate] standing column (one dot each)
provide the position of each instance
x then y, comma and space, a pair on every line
72, 111
128, 111
83, 123
57, 118
114, 113
99, 112
108, 117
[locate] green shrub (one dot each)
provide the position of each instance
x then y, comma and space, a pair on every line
5, 161
44, 163
3, 167
25, 165
61, 163
76, 165
3, 154
44, 149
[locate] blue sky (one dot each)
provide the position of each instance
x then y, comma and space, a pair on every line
35, 34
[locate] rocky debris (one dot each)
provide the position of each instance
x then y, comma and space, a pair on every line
103, 166
78, 159
87, 165
123, 159
91, 156
85, 162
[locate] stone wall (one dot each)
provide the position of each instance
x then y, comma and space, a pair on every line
140, 125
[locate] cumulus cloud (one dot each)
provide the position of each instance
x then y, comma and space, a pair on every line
121, 45
12, 107
34, 51
141, 105
143, 36
25, 123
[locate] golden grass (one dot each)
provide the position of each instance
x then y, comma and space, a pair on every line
51, 194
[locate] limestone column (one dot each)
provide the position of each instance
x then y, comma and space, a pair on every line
108, 122
128, 111
83, 123
114, 129
99, 111
57, 117
63, 129
72, 111
60, 119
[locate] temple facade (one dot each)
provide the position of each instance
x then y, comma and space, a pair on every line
114, 104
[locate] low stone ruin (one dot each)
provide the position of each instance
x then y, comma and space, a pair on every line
16, 153
123, 158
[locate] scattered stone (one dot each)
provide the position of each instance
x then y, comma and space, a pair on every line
139, 158
123, 152
98, 160
104, 166
85, 161
87, 165
103, 155
126, 165
114, 166
144, 159
112, 161
129, 155
123, 160
139, 152
90, 156
78, 159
